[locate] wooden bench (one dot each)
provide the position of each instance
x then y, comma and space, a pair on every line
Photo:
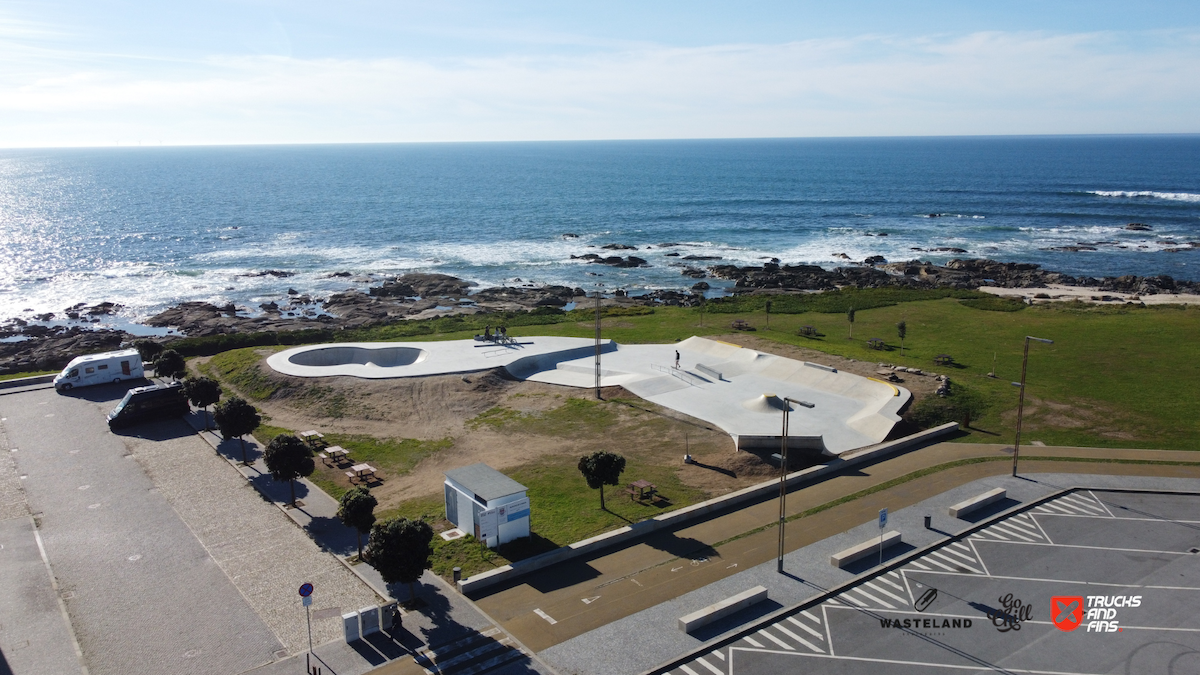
722, 609
860, 551
978, 502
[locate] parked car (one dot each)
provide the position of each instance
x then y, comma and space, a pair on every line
92, 369
143, 404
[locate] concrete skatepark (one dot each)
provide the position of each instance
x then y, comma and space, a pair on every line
739, 390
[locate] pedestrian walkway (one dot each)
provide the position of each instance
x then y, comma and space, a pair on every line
446, 618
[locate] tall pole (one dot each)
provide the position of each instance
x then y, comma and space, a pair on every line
598, 345
1021, 399
308, 618
783, 464
783, 467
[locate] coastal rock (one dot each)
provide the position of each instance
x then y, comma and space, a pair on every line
619, 247
618, 261
278, 274
422, 284
701, 257
1138, 227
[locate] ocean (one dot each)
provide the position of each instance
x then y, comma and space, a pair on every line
150, 227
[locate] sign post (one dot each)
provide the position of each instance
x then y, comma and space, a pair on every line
306, 598
882, 524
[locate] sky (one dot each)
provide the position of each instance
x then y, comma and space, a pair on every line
135, 72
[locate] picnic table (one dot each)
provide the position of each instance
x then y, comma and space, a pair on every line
943, 359
807, 331
335, 452
313, 437
875, 343
740, 324
360, 471
642, 488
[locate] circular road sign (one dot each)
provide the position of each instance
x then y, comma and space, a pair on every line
306, 590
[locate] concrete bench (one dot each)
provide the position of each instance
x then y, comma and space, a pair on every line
711, 372
867, 548
722, 609
975, 503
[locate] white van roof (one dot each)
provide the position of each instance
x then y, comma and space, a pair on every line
103, 356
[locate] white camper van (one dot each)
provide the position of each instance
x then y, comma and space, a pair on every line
100, 368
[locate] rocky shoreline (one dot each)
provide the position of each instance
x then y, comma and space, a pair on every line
41, 344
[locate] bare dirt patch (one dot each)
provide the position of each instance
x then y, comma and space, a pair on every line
494, 418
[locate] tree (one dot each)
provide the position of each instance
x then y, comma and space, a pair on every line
399, 549
202, 392
902, 330
601, 468
148, 350
236, 418
357, 510
850, 318
170, 364
288, 458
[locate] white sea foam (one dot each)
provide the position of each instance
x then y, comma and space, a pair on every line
1149, 194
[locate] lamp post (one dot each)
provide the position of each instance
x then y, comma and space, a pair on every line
783, 467
1021, 399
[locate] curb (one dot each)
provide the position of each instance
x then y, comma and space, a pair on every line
696, 511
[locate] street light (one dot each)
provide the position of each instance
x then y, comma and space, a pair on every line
783, 466
1021, 400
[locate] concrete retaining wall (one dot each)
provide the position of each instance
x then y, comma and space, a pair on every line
26, 381
722, 609
695, 511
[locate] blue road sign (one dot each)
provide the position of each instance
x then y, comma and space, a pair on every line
882, 518
306, 590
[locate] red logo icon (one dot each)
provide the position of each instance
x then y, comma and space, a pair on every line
1066, 611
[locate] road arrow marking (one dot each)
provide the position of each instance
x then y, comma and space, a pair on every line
676, 569
637, 582
731, 566
588, 601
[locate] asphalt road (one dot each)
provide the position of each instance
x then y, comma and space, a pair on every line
143, 595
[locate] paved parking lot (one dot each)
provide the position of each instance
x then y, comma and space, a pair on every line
1119, 569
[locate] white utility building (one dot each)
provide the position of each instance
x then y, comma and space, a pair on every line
484, 502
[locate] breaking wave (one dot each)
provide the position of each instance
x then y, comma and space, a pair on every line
1149, 194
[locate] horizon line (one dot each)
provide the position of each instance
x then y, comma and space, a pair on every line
143, 145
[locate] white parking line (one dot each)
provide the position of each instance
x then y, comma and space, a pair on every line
965, 556
812, 616
797, 638
959, 564
754, 642
1012, 532
988, 532
891, 583
886, 592
687, 670
545, 616
711, 667
865, 594
919, 566
1101, 503
805, 627
777, 640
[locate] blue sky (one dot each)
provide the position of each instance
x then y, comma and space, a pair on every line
76, 73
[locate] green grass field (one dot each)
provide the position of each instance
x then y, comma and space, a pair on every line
1116, 376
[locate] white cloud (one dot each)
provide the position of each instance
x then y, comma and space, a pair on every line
982, 83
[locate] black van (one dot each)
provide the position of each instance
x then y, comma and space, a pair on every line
155, 402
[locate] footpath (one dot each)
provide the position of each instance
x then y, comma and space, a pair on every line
445, 622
